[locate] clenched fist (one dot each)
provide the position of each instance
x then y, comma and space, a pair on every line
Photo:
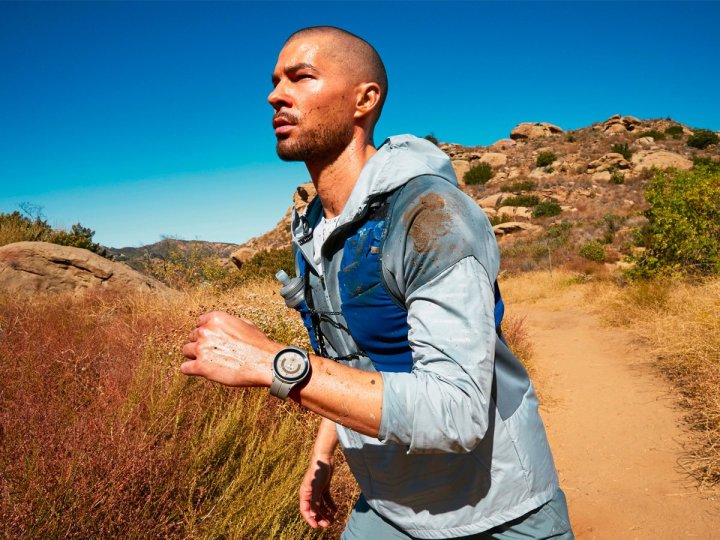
229, 350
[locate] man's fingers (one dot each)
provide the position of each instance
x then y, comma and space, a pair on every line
189, 350
192, 367
329, 503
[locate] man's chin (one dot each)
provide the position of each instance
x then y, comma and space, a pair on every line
289, 151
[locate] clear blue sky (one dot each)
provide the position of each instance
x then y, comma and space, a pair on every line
145, 119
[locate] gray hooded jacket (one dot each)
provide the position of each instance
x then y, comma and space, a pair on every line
461, 447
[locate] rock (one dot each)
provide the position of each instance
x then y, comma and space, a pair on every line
32, 267
512, 227
645, 142
502, 144
494, 159
515, 212
461, 167
601, 176
492, 201
615, 128
611, 159
662, 159
303, 195
490, 212
534, 130
539, 173
627, 203
631, 120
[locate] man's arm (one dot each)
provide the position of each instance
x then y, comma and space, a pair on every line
235, 352
316, 504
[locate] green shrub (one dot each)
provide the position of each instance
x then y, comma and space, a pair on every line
617, 178
187, 266
675, 131
622, 148
501, 218
479, 174
431, 137
547, 208
702, 138
593, 251
654, 133
519, 186
570, 138
522, 200
15, 227
682, 235
545, 158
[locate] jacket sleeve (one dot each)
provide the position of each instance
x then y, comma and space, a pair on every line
449, 254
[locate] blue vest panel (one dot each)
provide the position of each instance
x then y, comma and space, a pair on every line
377, 324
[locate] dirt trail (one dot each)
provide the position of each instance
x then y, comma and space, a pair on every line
615, 433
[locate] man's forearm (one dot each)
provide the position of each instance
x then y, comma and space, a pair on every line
326, 441
348, 396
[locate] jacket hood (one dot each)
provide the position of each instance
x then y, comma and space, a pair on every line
399, 159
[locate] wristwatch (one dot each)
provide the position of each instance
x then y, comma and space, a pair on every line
290, 367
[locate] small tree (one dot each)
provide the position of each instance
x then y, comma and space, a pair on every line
547, 208
622, 149
479, 174
593, 251
545, 158
682, 235
702, 138
431, 137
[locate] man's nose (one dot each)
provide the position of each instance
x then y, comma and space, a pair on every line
278, 98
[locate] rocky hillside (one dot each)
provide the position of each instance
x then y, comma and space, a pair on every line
137, 257
557, 197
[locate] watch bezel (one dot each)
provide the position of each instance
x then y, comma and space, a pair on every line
301, 376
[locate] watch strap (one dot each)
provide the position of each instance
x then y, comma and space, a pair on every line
280, 389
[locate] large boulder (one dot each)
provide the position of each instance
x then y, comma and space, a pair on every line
534, 130
460, 166
611, 160
42, 267
662, 159
494, 159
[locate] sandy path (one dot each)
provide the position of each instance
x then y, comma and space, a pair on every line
615, 433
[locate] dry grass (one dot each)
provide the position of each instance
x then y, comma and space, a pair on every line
100, 435
680, 322
535, 286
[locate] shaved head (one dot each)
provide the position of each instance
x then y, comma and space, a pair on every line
360, 61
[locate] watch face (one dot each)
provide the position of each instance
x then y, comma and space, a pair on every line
291, 366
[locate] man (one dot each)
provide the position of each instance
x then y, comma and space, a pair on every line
437, 419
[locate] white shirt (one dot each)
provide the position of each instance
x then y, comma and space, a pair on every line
324, 228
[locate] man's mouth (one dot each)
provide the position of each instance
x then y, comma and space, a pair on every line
283, 124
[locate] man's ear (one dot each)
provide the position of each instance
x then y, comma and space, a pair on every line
368, 99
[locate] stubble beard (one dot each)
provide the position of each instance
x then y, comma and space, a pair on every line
323, 143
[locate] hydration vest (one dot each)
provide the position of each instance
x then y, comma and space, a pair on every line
376, 319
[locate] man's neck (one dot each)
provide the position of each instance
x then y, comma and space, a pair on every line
335, 180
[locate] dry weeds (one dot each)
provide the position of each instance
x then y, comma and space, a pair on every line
101, 436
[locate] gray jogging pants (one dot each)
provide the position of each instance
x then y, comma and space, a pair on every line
549, 521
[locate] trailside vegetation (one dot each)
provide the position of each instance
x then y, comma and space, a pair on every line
682, 236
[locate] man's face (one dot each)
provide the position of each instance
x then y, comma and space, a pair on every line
313, 101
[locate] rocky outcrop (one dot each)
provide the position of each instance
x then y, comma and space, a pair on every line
611, 160
32, 267
619, 124
494, 159
512, 227
662, 159
534, 130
